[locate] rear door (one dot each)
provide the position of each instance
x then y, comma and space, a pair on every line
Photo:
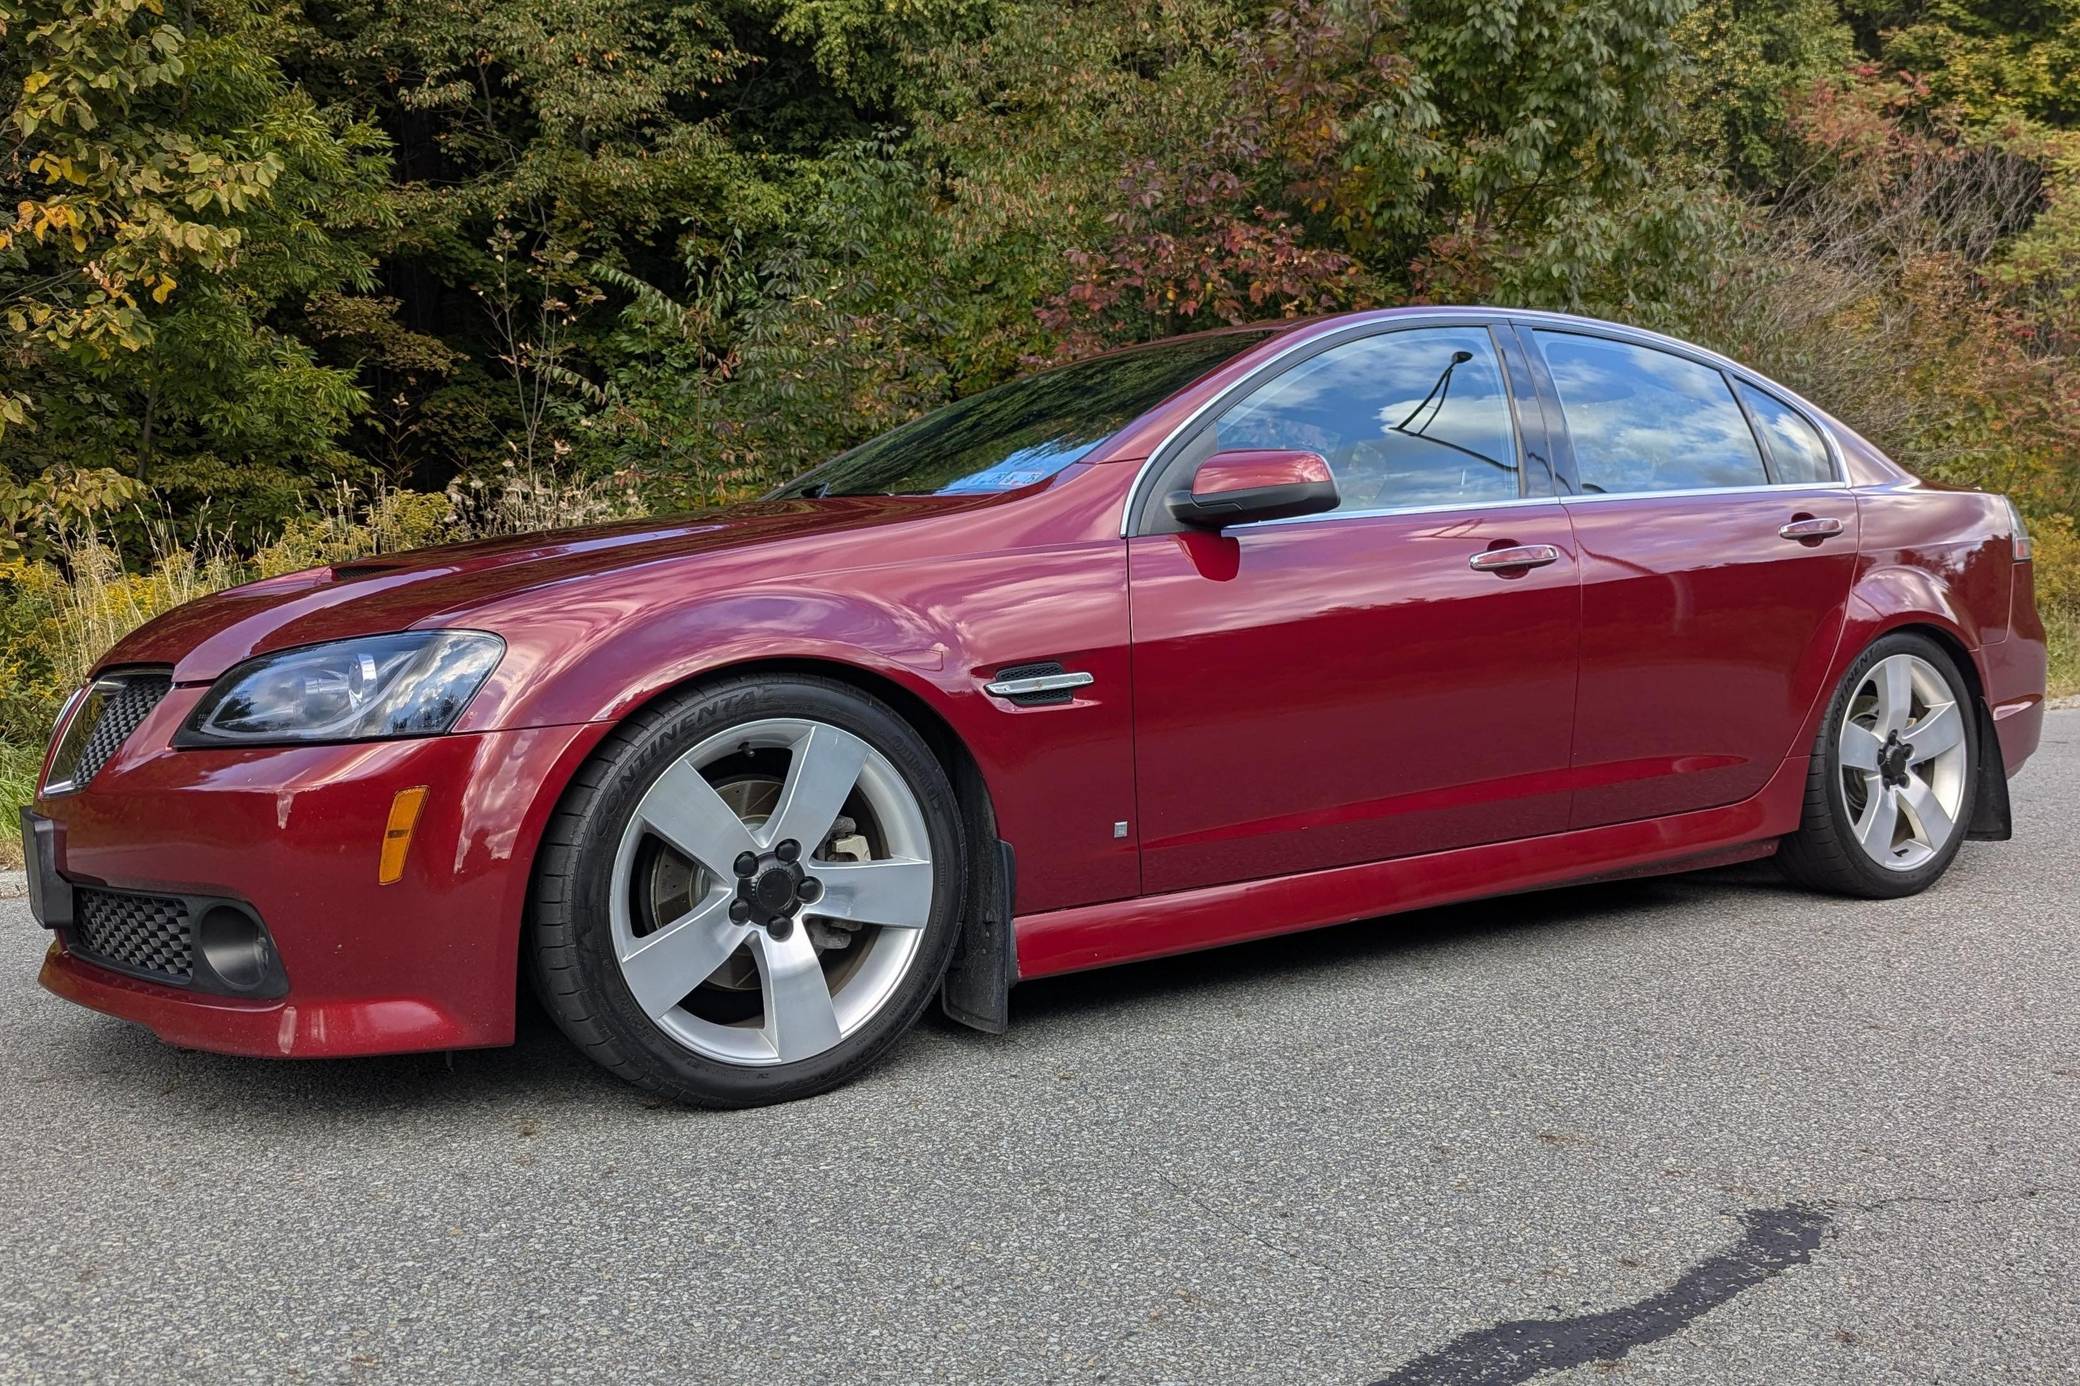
1344, 688
1717, 546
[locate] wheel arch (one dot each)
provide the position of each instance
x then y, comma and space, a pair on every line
984, 964
1992, 815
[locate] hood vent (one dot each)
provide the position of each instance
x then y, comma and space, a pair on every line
365, 567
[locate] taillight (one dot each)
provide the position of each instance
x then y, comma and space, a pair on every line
2020, 538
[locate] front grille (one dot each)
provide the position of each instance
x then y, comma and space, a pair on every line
147, 934
115, 706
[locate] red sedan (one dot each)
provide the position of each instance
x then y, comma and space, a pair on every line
1218, 638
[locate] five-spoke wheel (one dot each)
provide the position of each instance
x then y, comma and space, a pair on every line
1903, 761
1891, 786
809, 884
760, 892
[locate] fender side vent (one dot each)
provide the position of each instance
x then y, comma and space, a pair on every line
1038, 685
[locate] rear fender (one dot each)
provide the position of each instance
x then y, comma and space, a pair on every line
1899, 597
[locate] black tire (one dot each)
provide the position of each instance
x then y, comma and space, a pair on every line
569, 945
1824, 853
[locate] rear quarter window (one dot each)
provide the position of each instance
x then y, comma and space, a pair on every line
1797, 453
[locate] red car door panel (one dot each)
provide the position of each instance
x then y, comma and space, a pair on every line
1716, 556
1367, 683
1311, 695
1706, 638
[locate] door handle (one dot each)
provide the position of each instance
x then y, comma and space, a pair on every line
1509, 560
1822, 528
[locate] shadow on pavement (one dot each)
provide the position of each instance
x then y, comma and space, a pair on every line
541, 1071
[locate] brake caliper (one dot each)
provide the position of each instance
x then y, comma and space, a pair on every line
844, 844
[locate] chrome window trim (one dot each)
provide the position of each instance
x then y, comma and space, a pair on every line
1490, 317
1452, 508
1460, 507
1592, 498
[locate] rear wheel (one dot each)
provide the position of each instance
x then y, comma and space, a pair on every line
750, 892
1891, 785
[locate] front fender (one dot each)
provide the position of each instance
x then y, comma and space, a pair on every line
1060, 777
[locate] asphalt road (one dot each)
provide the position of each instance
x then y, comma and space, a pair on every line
1691, 1130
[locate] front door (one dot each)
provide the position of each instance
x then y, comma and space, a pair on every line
1347, 687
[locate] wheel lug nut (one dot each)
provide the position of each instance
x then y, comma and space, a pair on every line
810, 890
746, 864
740, 911
779, 926
788, 850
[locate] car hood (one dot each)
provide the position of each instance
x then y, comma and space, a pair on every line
393, 592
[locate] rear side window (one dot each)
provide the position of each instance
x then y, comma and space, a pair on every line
1645, 420
1796, 452
1412, 418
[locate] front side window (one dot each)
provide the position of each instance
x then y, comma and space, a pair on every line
1023, 432
1796, 452
1645, 420
1410, 418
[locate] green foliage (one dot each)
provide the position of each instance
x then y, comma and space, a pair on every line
18, 766
1748, 64
547, 259
35, 514
174, 199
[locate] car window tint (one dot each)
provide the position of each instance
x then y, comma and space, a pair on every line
1644, 420
1796, 452
1403, 418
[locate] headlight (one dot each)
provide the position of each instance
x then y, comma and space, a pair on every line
411, 684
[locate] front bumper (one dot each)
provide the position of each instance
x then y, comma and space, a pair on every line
294, 833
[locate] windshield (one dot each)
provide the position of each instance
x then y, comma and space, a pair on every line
1022, 432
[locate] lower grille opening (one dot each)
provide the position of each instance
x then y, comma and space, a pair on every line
150, 935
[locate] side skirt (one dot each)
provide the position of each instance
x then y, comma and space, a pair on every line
1123, 931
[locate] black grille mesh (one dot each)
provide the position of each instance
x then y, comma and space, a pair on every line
145, 933
122, 712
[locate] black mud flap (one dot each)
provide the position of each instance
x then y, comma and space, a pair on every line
977, 990
50, 894
1992, 818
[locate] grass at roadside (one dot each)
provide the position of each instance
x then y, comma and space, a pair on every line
2063, 628
18, 766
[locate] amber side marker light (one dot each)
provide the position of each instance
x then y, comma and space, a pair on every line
397, 834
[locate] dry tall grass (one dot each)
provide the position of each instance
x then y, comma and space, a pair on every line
58, 617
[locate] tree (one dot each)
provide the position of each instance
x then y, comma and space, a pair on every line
174, 200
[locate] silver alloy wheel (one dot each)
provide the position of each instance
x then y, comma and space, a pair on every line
810, 997
1903, 761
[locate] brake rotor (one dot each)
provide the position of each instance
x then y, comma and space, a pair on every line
676, 883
